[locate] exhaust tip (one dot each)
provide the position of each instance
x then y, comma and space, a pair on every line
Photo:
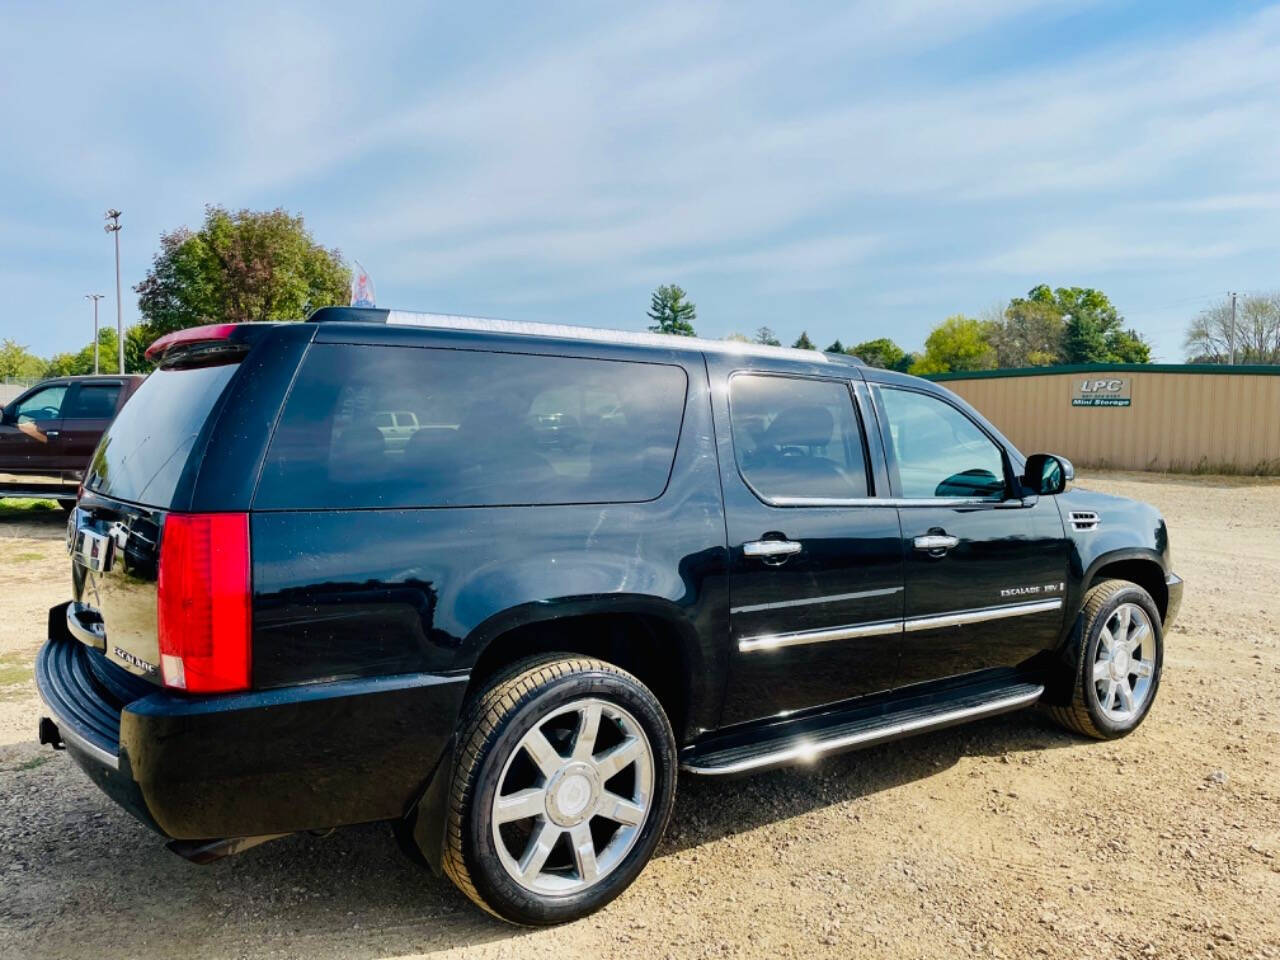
209, 851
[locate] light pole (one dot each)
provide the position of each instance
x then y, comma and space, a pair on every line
95, 297
114, 227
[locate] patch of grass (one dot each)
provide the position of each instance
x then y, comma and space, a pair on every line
10, 506
26, 557
14, 669
34, 763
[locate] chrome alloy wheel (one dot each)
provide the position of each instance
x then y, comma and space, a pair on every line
1125, 663
573, 797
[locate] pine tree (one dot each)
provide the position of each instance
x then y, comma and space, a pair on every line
671, 312
803, 342
836, 347
765, 337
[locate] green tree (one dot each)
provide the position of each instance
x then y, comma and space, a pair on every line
1027, 333
240, 267
836, 347
1093, 330
883, 353
766, 337
803, 342
958, 343
671, 311
738, 338
19, 363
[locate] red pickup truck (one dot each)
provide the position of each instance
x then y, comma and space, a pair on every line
48, 434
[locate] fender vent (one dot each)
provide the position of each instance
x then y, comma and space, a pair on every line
1084, 520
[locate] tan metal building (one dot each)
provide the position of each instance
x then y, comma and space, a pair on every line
1192, 417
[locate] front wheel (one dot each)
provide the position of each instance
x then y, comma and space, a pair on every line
563, 787
1117, 657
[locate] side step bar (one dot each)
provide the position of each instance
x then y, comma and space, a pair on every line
854, 727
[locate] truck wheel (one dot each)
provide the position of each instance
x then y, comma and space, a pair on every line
1115, 667
564, 783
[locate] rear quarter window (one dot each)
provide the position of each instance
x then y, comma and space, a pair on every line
472, 428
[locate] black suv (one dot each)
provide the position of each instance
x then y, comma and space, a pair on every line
497, 582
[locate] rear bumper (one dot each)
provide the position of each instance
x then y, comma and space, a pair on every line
1173, 585
237, 765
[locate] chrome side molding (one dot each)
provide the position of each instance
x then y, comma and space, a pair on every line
963, 617
885, 627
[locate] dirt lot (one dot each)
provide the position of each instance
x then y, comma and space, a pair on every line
1007, 838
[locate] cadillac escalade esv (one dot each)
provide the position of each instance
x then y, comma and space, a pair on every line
496, 583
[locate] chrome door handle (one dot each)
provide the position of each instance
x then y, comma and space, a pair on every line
936, 543
770, 548
51, 433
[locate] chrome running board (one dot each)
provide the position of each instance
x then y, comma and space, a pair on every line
806, 739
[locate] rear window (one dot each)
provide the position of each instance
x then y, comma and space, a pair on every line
146, 448
374, 426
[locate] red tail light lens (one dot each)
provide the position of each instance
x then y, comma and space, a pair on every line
204, 602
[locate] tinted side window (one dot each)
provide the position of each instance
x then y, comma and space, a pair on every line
42, 405
93, 402
471, 429
939, 452
797, 438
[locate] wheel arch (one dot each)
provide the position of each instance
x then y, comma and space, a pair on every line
1142, 567
647, 636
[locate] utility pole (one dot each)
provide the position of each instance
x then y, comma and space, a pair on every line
114, 227
1231, 337
95, 297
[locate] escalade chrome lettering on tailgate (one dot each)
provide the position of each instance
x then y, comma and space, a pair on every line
129, 658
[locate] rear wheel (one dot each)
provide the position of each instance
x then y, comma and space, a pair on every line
1115, 670
564, 783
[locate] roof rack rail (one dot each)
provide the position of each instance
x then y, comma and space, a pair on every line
564, 331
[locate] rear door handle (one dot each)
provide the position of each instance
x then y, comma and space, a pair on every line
51, 433
936, 543
770, 549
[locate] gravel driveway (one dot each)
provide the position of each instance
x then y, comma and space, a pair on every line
1007, 838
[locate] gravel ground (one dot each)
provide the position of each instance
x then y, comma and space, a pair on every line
1007, 838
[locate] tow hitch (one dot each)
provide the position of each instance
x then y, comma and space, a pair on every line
49, 734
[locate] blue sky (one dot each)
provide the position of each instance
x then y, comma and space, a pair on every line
853, 169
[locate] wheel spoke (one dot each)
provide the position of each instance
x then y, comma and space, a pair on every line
535, 855
620, 810
543, 753
1139, 635
588, 726
1143, 668
520, 805
1100, 671
1122, 624
584, 851
1106, 639
608, 764
1126, 694
1109, 699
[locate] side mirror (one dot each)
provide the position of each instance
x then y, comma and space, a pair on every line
1048, 474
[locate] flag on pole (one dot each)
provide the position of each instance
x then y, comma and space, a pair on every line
361, 287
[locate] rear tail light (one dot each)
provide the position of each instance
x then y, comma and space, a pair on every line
204, 610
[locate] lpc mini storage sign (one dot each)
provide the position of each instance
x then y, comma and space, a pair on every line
1101, 392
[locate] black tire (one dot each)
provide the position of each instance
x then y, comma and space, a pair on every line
508, 708
1084, 714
